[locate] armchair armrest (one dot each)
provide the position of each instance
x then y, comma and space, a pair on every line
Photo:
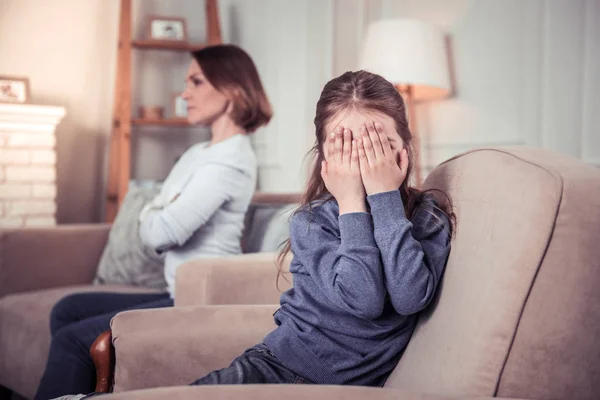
243, 279
175, 346
41, 258
288, 392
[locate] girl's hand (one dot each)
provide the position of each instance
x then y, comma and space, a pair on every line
341, 173
378, 166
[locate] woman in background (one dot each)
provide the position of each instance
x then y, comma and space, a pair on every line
198, 213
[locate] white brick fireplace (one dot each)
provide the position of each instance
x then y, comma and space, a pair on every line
28, 164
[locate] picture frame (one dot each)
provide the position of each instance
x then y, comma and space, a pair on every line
178, 106
14, 89
171, 29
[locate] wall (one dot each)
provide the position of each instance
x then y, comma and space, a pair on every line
67, 49
526, 72
73, 64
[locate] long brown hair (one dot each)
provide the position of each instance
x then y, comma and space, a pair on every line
369, 92
232, 72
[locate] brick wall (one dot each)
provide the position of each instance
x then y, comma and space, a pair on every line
28, 165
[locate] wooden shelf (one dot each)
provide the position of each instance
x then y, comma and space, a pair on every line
173, 45
161, 122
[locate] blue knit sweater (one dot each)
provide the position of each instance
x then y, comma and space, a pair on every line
360, 280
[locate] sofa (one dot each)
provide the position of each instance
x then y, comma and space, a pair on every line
40, 266
517, 314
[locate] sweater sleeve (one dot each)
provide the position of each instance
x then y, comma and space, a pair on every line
413, 257
210, 187
347, 269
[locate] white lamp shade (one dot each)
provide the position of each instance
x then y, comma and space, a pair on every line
408, 52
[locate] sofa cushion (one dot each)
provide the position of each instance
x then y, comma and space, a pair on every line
506, 208
25, 327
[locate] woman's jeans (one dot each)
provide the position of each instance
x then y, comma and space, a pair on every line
75, 323
256, 365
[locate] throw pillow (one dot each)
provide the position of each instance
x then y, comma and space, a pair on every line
266, 227
125, 259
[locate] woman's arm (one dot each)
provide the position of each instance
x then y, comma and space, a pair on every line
413, 257
347, 269
211, 186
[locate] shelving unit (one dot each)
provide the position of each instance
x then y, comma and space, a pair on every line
161, 122
164, 45
120, 142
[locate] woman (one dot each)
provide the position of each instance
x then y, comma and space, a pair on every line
369, 250
198, 213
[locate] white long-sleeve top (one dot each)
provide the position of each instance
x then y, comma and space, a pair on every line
199, 212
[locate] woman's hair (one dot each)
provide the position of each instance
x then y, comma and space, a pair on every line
362, 91
231, 71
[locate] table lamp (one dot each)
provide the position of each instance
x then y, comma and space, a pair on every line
412, 55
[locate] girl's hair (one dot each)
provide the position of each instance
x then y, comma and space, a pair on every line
231, 71
363, 91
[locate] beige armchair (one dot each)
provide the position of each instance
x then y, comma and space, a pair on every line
517, 316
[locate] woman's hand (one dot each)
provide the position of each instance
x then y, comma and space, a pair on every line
341, 173
379, 168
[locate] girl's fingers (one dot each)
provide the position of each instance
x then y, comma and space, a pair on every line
362, 156
330, 146
377, 150
338, 146
354, 157
324, 170
385, 144
367, 146
404, 161
346, 147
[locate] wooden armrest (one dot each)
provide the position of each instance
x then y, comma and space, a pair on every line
103, 356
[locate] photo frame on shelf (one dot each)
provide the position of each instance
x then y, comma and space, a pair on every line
14, 89
178, 106
173, 29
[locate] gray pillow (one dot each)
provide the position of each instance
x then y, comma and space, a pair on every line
266, 227
125, 259
278, 229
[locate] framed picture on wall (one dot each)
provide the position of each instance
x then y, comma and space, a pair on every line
14, 89
166, 28
178, 106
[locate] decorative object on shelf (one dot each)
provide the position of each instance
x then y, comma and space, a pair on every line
178, 106
411, 54
152, 112
14, 90
166, 28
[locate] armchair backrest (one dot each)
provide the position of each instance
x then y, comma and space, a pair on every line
518, 311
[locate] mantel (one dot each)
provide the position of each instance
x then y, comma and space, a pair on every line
29, 116
28, 164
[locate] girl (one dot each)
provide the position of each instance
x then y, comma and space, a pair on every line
368, 250
198, 213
